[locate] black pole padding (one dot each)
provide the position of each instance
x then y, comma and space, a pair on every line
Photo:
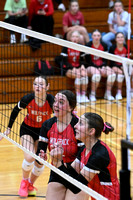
125, 185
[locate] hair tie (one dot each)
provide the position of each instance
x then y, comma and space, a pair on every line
106, 126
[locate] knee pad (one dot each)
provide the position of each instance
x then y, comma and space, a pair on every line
84, 80
96, 78
77, 81
27, 166
120, 78
111, 78
37, 171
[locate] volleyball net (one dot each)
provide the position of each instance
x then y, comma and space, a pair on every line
17, 74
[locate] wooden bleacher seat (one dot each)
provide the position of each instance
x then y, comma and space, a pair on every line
17, 61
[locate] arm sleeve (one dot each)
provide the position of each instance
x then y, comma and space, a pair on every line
125, 17
13, 116
71, 172
50, 99
8, 6
50, 9
65, 20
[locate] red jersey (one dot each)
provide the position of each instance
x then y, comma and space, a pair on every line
35, 6
36, 115
73, 56
96, 60
101, 161
72, 20
49, 135
116, 51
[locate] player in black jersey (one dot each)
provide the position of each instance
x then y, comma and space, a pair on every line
98, 67
95, 164
60, 128
39, 108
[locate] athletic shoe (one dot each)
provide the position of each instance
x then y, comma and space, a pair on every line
84, 99
108, 97
111, 4
61, 7
118, 96
92, 98
23, 190
12, 39
23, 38
31, 190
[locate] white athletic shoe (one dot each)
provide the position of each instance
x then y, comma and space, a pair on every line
23, 38
61, 7
84, 99
79, 99
111, 4
92, 98
108, 97
12, 39
118, 96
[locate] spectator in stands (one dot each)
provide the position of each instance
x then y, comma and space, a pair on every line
98, 67
16, 11
74, 20
74, 67
118, 22
61, 6
119, 49
41, 16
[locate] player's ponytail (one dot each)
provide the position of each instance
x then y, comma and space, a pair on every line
107, 128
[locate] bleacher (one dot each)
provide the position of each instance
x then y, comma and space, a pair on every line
17, 61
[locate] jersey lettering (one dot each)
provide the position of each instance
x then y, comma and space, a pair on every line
62, 141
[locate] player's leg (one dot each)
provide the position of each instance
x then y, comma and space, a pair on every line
55, 191
80, 196
94, 73
27, 165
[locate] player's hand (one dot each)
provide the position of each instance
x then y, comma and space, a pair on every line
56, 154
7, 132
43, 155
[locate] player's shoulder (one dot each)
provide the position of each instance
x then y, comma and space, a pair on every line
74, 120
50, 97
48, 123
100, 149
27, 98
89, 44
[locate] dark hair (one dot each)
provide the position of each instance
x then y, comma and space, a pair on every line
118, 1
72, 2
96, 121
118, 33
43, 77
71, 97
96, 30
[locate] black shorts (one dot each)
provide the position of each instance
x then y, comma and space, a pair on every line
28, 130
56, 178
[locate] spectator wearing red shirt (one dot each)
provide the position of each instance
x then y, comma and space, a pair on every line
74, 20
41, 16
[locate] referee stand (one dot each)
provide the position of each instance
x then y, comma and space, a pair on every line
125, 172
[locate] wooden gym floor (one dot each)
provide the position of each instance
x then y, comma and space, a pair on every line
11, 156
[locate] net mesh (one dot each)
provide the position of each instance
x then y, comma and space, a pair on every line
17, 75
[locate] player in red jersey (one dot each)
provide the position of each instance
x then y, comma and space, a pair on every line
74, 67
60, 128
95, 165
119, 49
39, 108
98, 67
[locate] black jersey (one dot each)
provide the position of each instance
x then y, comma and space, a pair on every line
93, 60
114, 50
101, 161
